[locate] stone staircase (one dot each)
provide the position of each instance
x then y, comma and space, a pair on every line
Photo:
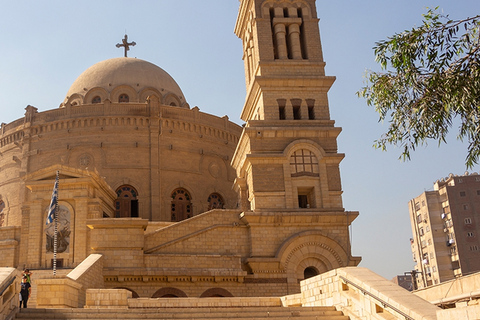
253, 313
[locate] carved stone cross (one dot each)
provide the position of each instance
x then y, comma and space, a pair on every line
126, 44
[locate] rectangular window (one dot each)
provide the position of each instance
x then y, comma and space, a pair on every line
306, 198
419, 218
470, 234
463, 194
311, 110
478, 192
311, 113
465, 207
281, 108
296, 113
303, 201
417, 206
455, 264
474, 248
421, 231
296, 103
281, 112
468, 221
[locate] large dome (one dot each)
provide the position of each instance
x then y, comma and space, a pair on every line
135, 73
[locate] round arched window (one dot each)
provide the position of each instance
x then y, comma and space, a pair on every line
96, 99
181, 206
215, 201
123, 98
126, 205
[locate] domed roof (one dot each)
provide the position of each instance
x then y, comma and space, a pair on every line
137, 73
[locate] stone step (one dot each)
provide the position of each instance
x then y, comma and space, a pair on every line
257, 313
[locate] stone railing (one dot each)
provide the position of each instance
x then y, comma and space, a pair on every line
122, 299
70, 291
8, 293
460, 297
362, 294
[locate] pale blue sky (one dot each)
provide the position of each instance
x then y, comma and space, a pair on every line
46, 45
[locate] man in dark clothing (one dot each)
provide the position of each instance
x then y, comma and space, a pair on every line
25, 289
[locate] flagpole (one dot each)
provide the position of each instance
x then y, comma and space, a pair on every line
55, 214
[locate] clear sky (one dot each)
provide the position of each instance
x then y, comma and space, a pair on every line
46, 45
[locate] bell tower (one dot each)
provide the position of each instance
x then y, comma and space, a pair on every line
287, 157
286, 160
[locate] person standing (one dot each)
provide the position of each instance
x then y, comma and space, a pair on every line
27, 273
25, 290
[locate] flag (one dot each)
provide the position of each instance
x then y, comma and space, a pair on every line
53, 202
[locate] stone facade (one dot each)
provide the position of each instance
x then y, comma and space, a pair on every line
179, 202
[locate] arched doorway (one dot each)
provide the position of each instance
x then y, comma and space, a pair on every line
181, 206
215, 201
126, 205
310, 272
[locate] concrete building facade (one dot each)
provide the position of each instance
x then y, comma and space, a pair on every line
445, 225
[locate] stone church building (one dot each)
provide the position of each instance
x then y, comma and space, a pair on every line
179, 202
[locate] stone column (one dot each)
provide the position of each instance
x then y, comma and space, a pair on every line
280, 36
294, 39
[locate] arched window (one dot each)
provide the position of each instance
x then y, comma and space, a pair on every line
215, 201
173, 104
310, 272
96, 99
126, 205
304, 163
2, 213
181, 205
123, 98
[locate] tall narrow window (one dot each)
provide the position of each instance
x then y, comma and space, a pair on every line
126, 205
181, 206
215, 201
2, 213
281, 109
297, 115
311, 110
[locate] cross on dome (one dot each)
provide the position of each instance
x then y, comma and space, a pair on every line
126, 44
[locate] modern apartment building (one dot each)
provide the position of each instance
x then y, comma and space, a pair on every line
445, 226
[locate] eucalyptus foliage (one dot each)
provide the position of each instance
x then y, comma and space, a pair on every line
430, 76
